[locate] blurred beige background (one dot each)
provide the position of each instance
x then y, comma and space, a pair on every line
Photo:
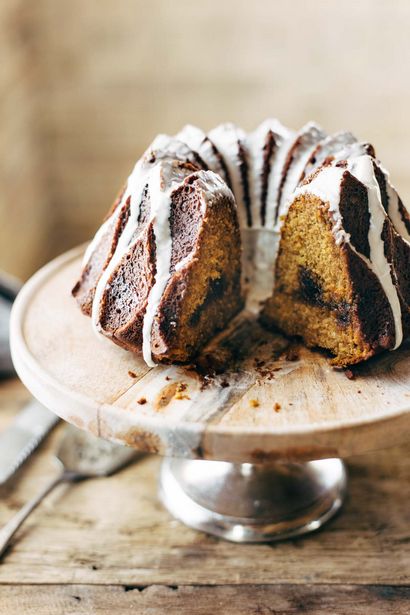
85, 85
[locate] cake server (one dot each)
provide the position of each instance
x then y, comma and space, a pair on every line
80, 456
25, 433
9, 288
32, 423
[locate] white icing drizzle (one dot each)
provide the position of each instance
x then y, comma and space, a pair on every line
336, 144
134, 191
395, 214
160, 191
326, 186
362, 168
198, 141
97, 238
211, 184
349, 151
275, 176
308, 139
166, 146
227, 138
393, 208
255, 143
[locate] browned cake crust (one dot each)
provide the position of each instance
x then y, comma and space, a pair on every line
84, 289
244, 171
221, 162
269, 149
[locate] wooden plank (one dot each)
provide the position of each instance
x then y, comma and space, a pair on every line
115, 531
228, 599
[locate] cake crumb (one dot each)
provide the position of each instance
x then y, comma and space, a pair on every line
254, 403
142, 401
359, 391
349, 374
132, 374
224, 384
277, 407
167, 378
181, 387
179, 391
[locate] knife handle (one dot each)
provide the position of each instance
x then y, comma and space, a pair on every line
8, 531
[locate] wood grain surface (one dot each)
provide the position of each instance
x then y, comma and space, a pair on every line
108, 546
225, 599
278, 402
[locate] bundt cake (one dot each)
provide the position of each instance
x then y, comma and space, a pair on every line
304, 227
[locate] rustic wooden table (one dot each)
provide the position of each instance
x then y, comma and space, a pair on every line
108, 546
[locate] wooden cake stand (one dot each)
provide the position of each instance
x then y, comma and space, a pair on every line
251, 454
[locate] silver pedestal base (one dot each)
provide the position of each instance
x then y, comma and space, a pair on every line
253, 503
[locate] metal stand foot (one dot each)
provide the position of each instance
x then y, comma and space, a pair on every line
253, 503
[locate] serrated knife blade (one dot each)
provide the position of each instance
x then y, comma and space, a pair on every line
25, 433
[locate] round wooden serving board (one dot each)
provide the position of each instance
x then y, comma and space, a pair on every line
279, 402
